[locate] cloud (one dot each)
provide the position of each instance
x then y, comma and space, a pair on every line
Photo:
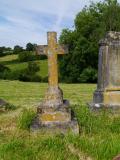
28, 21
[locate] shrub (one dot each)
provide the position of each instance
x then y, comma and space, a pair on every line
88, 75
42, 57
29, 78
45, 79
29, 74
10, 107
4, 71
12, 75
25, 56
7, 107
33, 67
25, 119
3, 68
36, 78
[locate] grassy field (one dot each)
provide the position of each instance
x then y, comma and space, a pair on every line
12, 62
99, 137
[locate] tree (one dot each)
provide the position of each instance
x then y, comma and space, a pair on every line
17, 49
1, 51
33, 67
30, 73
25, 56
5, 51
91, 24
30, 47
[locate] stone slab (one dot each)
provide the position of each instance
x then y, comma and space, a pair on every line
112, 97
60, 119
54, 117
63, 128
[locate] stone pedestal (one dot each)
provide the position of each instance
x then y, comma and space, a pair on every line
108, 88
55, 114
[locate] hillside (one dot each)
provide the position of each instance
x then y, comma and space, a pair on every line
12, 62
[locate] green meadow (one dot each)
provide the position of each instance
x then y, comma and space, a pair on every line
99, 137
11, 61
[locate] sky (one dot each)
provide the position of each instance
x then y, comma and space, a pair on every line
23, 21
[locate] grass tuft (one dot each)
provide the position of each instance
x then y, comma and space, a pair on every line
25, 119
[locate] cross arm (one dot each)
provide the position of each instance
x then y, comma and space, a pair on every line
42, 49
61, 49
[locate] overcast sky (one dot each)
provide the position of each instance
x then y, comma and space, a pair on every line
23, 21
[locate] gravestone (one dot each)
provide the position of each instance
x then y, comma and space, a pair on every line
54, 112
3, 103
108, 88
117, 158
4, 106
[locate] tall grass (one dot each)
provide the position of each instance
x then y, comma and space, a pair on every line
25, 119
35, 148
99, 136
99, 133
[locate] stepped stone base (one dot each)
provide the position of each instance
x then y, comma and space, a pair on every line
106, 99
59, 119
63, 128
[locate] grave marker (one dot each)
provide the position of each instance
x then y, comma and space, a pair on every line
108, 88
54, 112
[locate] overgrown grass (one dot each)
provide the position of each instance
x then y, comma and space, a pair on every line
99, 133
25, 119
99, 136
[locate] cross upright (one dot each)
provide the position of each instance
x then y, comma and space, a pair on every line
52, 50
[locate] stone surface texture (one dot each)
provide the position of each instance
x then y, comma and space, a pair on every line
53, 111
108, 88
117, 158
3, 105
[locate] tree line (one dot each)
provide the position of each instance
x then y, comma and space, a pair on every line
30, 72
90, 25
16, 50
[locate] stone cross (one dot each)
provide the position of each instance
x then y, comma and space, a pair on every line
52, 50
54, 111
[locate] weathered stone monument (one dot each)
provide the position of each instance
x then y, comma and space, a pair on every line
54, 112
108, 88
117, 158
3, 105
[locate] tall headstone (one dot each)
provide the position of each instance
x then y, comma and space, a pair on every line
108, 88
54, 112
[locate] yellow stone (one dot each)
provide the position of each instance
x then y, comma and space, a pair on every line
55, 117
112, 97
52, 50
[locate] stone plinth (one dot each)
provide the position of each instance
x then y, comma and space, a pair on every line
57, 115
53, 110
54, 114
108, 88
